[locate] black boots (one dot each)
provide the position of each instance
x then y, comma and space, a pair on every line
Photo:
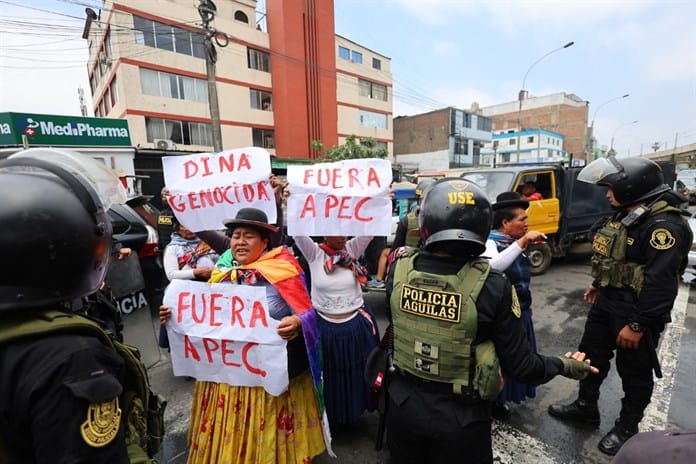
578, 410
617, 436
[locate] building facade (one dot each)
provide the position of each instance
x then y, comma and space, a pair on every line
447, 138
536, 146
282, 82
561, 113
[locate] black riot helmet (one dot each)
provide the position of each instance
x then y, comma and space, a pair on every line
630, 179
55, 233
423, 187
457, 211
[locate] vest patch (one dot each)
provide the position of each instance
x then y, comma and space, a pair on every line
516, 308
600, 245
426, 365
433, 304
164, 220
662, 239
101, 425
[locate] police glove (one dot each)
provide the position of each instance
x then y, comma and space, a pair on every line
574, 369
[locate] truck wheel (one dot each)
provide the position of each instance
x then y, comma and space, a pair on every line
539, 257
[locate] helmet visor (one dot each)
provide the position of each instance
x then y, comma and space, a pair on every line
600, 168
103, 179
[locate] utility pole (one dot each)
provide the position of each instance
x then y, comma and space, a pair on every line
207, 11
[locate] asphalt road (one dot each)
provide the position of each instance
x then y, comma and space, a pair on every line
529, 435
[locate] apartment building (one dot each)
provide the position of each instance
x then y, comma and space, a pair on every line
536, 146
443, 139
283, 80
561, 113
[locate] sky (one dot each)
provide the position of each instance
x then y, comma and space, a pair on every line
443, 53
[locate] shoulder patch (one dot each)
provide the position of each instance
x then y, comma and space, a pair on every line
662, 239
102, 423
516, 308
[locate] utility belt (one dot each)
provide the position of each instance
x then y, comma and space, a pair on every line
468, 394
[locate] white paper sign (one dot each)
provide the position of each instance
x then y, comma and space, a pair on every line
207, 188
349, 197
225, 333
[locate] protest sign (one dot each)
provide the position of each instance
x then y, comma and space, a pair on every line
207, 188
349, 197
225, 333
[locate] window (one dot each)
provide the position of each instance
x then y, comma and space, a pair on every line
261, 100
163, 84
484, 124
166, 37
107, 100
372, 90
530, 139
182, 132
343, 53
461, 146
376, 63
241, 16
372, 119
512, 142
258, 60
356, 57
264, 138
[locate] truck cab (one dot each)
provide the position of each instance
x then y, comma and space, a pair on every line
565, 212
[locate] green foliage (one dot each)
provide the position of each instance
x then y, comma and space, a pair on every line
352, 149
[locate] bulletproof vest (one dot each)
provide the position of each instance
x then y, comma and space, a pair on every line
413, 231
435, 321
609, 265
143, 411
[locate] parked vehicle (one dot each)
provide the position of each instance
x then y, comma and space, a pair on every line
686, 184
566, 213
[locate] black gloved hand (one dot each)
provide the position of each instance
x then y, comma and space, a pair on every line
574, 369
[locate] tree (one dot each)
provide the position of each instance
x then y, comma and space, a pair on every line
352, 148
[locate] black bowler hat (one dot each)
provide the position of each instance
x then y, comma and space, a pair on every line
251, 217
509, 200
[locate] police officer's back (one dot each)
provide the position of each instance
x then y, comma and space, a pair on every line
61, 379
454, 319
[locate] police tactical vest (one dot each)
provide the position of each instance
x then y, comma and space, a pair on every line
609, 265
143, 411
435, 321
413, 231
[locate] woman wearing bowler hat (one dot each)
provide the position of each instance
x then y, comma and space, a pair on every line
246, 424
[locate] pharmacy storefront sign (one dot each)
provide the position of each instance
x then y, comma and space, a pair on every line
46, 129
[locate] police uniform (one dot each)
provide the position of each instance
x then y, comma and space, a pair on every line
639, 255
59, 400
69, 390
437, 411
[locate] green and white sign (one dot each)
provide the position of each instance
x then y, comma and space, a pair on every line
47, 129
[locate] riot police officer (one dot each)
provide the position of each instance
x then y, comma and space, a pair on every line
639, 255
62, 378
451, 314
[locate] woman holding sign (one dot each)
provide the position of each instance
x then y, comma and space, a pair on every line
348, 328
244, 424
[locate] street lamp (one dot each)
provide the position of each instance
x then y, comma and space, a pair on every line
611, 147
590, 144
522, 93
